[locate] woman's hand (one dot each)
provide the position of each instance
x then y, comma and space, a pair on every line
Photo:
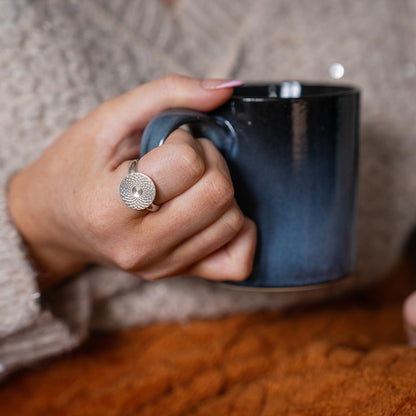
68, 208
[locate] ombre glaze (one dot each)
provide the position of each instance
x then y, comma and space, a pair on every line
292, 150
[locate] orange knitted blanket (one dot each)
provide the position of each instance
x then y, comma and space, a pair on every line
344, 358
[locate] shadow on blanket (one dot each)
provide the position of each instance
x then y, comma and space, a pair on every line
343, 358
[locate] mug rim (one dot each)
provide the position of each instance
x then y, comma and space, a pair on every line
294, 91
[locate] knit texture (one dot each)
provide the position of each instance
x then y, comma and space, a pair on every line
61, 59
337, 359
19, 295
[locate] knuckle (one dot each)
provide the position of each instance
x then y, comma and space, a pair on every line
172, 79
241, 265
106, 108
125, 261
242, 274
93, 221
170, 84
234, 221
103, 117
165, 267
189, 162
241, 270
127, 258
100, 119
97, 219
152, 275
219, 190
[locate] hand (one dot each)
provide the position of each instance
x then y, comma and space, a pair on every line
68, 209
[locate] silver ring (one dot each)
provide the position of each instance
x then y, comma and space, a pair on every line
137, 190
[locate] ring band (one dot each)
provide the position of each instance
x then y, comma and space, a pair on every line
137, 190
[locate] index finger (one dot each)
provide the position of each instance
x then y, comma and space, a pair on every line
174, 167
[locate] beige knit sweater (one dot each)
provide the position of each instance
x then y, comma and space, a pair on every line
60, 59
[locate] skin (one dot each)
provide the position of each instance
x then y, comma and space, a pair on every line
67, 206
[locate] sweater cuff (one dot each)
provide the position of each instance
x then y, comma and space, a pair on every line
57, 329
28, 331
19, 295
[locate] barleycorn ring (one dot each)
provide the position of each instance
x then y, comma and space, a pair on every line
137, 190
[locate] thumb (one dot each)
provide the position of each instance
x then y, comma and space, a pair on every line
131, 111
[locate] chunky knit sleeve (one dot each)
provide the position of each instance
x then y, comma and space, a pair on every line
32, 328
19, 296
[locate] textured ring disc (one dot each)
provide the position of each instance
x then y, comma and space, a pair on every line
137, 191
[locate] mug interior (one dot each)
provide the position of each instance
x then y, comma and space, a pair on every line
290, 89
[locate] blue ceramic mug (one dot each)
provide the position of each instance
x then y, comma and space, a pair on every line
292, 150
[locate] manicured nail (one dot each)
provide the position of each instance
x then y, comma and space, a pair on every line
217, 84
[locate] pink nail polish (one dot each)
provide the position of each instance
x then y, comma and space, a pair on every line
217, 84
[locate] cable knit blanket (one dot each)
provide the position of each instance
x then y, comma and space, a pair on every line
339, 359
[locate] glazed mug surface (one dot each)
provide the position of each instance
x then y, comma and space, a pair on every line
292, 151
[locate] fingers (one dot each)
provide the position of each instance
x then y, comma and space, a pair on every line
232, 262
224, 251
199, 228
175, 166
198, 206
132, 111
209, 240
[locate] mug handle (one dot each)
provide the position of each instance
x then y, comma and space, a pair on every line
212, 127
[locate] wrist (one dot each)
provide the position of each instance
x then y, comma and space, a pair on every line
29, 214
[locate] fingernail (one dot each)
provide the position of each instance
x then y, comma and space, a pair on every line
217, 84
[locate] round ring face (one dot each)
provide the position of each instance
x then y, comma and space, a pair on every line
137, 191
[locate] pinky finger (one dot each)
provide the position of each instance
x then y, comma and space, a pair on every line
234, 261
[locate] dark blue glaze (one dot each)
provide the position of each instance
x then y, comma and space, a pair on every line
294, 163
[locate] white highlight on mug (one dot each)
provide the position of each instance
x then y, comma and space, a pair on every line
290, 89
336, 70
